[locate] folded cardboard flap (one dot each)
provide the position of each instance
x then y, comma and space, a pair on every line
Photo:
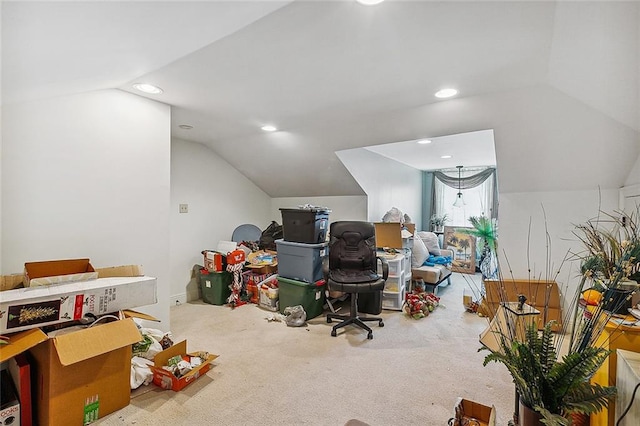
389, 234
96, 340
163, 357
128, 313
21, 342
9, 282
121, 271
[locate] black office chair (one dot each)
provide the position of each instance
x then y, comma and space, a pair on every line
352, 268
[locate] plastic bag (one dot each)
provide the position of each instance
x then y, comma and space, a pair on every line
269, 236
295, 316
393, 215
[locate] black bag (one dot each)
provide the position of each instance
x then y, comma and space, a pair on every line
270, 235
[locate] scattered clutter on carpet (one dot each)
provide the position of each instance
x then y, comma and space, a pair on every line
153, 342
420, 303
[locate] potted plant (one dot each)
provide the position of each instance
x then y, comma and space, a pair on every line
552, 379
437, 222
551, 389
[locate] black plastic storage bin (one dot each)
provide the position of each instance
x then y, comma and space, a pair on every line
307, 226
370, 303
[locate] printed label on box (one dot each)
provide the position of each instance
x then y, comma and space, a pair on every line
91, 409
34, 313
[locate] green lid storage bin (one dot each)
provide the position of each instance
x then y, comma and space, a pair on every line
310, 296
215, 287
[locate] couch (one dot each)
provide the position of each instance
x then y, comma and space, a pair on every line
432, 274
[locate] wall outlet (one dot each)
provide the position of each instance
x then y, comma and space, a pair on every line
184, 208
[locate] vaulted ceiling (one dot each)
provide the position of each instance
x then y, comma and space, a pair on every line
558, 82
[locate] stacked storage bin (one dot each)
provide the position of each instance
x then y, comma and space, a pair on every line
214, 280
394, 287
300, 256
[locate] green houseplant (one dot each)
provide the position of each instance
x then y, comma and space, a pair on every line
438, 222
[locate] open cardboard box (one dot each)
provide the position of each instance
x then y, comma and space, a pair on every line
471, 410
81, 375
389, 234
166, 379
57, 272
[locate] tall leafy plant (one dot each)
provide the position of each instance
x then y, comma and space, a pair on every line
485, 231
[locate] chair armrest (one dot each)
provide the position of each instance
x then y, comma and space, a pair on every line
325, 268
447, 252
385, 267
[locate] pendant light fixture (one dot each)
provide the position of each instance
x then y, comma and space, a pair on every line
459, 200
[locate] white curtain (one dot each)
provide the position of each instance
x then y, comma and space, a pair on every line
479, 200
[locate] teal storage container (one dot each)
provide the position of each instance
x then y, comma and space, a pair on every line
215, 287
310, 296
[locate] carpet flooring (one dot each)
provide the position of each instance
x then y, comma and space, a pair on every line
411, 373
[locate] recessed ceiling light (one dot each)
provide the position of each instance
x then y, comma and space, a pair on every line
446, 93
185, 126
148, 88
445, 156
369, 2
269, 128
424, 141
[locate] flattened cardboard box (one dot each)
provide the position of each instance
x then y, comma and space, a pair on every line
24, 308
84, 375
166, 379
57, 272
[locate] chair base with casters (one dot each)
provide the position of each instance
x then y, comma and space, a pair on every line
353, 318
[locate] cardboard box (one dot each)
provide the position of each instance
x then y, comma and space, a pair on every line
390, 234
9, 403
121, 271
543, 295
471, 410
57, 272
84, 375
166, 379
25, 308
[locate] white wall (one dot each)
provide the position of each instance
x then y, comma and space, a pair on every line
563, 211
342, 207
88, 176
219, 197
386, 182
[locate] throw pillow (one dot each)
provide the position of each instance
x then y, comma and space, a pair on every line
419, 253
431, 241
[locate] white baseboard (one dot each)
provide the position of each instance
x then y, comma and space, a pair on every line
178, 299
